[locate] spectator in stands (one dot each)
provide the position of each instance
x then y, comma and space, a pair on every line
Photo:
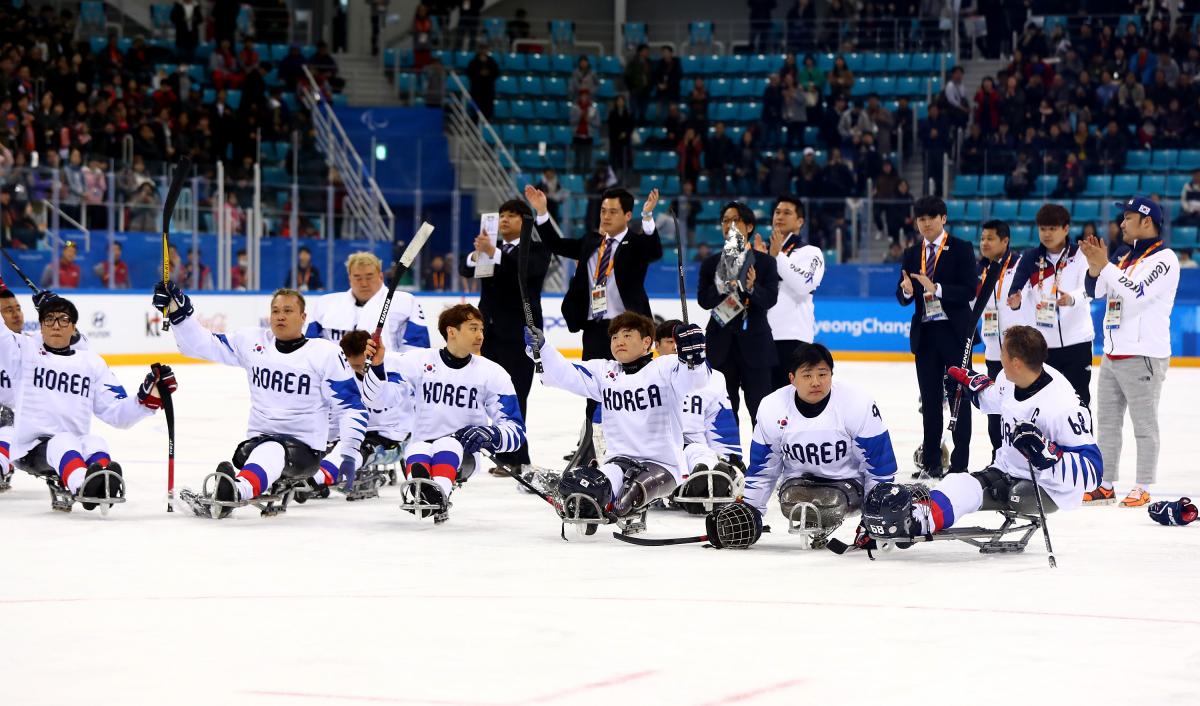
718, 157
556, 194
687, 207
667, 77
620, 135
248, 57
237, 273
68, 270
433, 77
674, 124
324, 67
1174, 124
422, 33
585, 127
795, 112
582, 79
144, 208
987, 106
934, 132
702, 252
883, 121
1189, 202
223, 67
839, 182
1019, 183
972, 155
95, 186
895, 254
196, 273
307, 276
840, 78
639, 81
689, 150
1113, 145
120, 269
518, 26
482, 73
853, 123
1130, 97
745, 166
1071, 179
20, 228
772, 112
436, 278
958, 106
291, 68
468, 22
808, 175
760, 25
697, 100
778, 176
235, 217
188, 20
809, 73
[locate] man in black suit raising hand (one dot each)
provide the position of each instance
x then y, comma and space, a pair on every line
938, 274
610, 278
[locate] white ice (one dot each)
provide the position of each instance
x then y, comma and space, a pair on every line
345, 603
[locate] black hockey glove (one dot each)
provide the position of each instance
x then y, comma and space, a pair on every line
172, 296
158, 374
969, 382
478, 437
689, 344
42, 297
1029, 441
1178, 512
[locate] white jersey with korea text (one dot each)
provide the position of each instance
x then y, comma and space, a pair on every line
334, 315
59, 394
290, 393
640, 410
708, 418
847, 440
801, 269
446, 399
1063, 420
10, 376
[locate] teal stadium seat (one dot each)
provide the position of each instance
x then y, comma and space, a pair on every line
1137, 160
1098, 186
991, 185
1124, 185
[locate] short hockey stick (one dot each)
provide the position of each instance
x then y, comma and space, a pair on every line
679, 261
522, 273
169, 413
20, 273
648, 542
989, 283
1037, 489
181, 171
402, 265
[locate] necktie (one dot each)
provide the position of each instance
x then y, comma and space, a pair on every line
507, 248
606, 257
930, 254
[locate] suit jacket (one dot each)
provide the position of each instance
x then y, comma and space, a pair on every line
500, 295
633, 257
755, 339
958, 274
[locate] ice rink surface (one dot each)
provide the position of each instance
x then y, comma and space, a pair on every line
345, 603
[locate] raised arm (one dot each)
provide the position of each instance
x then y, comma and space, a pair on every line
340, 390
581, 378
115, 407
547, 229
193, 339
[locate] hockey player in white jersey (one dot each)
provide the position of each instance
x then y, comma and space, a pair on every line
293, 381
462, 402
641, 398
357, 309
713, 472
58, 390
14, 320
822, 442
1045, 428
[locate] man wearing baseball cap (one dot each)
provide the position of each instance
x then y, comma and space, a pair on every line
1139, 293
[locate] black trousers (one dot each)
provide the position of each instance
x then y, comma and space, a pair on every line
938, 350
993, 369
779, 373
753, 380
1075, 363
511, 356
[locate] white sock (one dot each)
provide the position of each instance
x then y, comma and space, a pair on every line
443, 483
1106, 485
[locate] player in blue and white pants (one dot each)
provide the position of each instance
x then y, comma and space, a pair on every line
462, 402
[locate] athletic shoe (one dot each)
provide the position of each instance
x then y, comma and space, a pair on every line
1100, 496
1136, 498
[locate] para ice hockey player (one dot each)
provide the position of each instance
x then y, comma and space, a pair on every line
823, 442
293, 380
58, 390
641, 397
712, 448
462, 402
1044, 426
336, 314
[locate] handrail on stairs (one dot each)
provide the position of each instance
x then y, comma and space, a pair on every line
468, 126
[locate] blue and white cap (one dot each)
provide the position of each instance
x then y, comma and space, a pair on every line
1144, 206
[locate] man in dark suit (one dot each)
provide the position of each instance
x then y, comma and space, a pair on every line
739, 284
938, 274
610, 278
500, 303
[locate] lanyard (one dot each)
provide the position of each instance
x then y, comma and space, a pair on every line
1000, 283
1058, 268
937, 256
1141, 257
600, 258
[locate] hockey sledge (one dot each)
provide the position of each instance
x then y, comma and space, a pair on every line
413, 500
63, 500
805, 520
270, 504
1011, 537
